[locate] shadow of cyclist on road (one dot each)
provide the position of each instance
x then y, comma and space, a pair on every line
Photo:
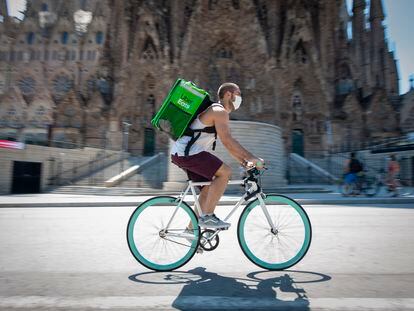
264, 290
213, 291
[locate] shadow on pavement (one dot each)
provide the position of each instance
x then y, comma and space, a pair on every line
264, 290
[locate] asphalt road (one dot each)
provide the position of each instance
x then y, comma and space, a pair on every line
361, 258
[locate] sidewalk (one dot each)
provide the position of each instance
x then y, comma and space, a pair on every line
71, 200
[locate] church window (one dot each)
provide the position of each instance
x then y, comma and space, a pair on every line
41, 111
61, 85
150, 82
214, 79
300, 53
236, 4
224, 52
233, 75
297, 107
30, 38
99, 37
55, 55
27, 85
211, 4
149, 51
89, 57
81, 55
65, 37
73, 55
12, 112
90, 85
45, 7
20, 56
3, 56
46, 55
83, 4
32, 55
151, 103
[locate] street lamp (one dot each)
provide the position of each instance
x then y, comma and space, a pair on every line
125, 133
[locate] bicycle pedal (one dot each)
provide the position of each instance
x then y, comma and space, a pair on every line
222, 229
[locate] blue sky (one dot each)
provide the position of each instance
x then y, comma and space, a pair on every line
399, 23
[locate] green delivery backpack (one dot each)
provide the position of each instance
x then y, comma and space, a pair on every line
183, 104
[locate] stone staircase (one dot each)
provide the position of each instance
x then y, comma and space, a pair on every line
147, 181
304, 171
98, 179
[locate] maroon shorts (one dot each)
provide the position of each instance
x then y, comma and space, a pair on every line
199, 167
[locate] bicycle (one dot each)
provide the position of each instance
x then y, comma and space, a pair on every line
274, 231
371, 186
400, 189
363, 184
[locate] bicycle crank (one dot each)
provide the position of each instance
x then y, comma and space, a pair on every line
209, 240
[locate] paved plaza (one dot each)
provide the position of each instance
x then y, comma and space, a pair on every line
77, 258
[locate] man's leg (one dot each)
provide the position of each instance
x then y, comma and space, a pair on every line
202, 200
216, 189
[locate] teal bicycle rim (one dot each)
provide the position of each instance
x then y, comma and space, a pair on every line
298, 214
138, 253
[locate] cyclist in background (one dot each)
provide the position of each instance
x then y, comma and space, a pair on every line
393, 169
353, 169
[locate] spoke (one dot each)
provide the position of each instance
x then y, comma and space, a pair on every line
289, 220
294, 242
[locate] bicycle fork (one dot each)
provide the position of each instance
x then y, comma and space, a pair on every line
260, 197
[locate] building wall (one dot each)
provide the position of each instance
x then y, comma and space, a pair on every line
295, 64
53, 160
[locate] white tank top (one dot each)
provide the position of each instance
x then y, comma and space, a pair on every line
203, 143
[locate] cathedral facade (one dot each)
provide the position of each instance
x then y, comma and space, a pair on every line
87, 67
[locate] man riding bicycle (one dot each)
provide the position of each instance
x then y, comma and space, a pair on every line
352, 169
200, 165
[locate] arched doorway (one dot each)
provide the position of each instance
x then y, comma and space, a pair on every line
298, 142
149, 141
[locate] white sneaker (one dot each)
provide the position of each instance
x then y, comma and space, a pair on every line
211, 221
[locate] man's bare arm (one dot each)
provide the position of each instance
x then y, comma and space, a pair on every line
221, 122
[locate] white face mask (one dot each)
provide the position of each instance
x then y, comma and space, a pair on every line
237, 102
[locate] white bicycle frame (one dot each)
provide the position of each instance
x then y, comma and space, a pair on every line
253, 187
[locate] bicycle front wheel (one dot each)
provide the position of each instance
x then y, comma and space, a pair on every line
278, 248
157, 233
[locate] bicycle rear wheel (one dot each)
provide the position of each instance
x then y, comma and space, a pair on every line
157, 246
274, 250
347, 188
370, 187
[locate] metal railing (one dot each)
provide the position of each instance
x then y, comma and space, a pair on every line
79, 171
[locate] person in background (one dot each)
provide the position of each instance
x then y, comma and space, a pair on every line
352, 168
393, 168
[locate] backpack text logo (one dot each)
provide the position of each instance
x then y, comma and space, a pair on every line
184, 102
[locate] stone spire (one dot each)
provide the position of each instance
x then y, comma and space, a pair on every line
3, 9
30, 11
376, 10
358, 19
